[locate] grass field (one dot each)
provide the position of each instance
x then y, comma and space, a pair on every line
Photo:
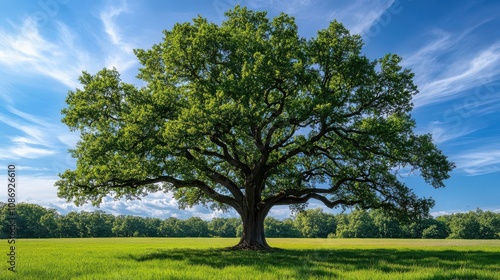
204, 258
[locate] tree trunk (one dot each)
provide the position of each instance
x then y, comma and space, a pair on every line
253, 237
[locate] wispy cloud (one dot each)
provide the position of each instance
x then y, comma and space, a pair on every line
359, 16
33, 137
480, 161
24, 151
442, 132
424, 61
24, 50
30, 144
446, 67
465, 74
122, 56
29, 168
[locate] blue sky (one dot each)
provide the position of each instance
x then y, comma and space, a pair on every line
453, 47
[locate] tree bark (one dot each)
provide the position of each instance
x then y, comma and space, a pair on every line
253, 237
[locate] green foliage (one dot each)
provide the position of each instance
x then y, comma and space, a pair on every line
249, 115
315, 223
70, 225
32, 221
387, 225
153, 227
358, 224
196, 227
172, 227
285, 228
97, 224
435, 231
489, 223
223, 227
343, 230
50, 221
475, 225
134, 226
311, 223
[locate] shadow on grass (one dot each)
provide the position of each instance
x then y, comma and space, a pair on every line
322, 262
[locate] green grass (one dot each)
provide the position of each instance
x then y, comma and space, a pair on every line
204, 258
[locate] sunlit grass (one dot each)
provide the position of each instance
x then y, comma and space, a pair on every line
205, 258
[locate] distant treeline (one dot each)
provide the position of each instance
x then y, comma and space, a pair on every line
34, 221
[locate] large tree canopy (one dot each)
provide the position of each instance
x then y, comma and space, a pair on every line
249, 115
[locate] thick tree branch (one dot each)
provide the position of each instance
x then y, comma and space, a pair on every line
227, 156
216, 176
226, 182
328, 203
301, 149
357, 144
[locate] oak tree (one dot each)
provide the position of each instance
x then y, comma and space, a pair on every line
248, 115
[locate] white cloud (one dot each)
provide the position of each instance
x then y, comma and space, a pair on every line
280, 212
424, 61
34, 189
154, 205
436, 214
479, 162
31, 145
122, 56
25, 51
34, 137
158, 205
451, 212
25, 151
360, 16
463, 75
445, 67
69, 138
110, 27
441, 132
27, 168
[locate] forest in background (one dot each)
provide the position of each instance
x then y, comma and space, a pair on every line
35, 221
